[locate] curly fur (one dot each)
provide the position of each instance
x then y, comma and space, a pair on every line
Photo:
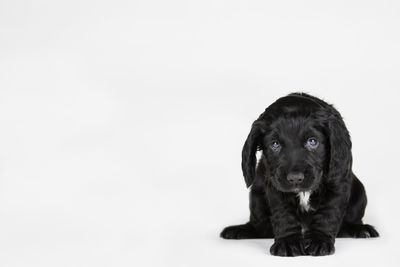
336, 199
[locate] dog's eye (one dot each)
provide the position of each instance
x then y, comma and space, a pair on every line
312, 143
275, 146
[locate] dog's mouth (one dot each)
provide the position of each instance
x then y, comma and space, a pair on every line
297, 189
283, 186
309, 184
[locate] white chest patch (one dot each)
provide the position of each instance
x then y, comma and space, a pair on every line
304, 200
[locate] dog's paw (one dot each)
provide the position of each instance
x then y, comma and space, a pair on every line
242, 231
288, 247
318, 244
365, 231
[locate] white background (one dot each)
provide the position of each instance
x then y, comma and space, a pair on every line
122, 124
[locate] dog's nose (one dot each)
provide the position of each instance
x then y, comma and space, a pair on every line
295, 177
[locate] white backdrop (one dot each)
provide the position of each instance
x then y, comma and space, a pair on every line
122, 123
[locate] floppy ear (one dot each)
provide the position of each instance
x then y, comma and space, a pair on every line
249, 153
340, 161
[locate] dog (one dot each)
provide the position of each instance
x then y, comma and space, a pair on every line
303, 192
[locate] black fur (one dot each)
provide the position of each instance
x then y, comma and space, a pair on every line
305, 147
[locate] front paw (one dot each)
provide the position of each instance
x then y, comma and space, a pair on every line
318, 244
288, 246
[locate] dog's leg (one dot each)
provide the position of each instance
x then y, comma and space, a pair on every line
352, 225
286, 224
259, 225
326, 221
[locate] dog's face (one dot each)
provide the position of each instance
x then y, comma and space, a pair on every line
295, 149
304, 141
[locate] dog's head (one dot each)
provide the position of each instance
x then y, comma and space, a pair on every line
303, 139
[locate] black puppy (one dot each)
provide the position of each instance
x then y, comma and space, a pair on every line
303, 191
